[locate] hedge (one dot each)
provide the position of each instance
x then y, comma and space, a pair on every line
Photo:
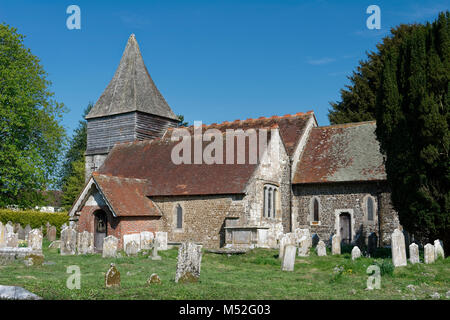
35, 219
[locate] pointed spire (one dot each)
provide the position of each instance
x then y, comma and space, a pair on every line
131, 89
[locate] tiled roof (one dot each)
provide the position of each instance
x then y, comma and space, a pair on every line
131, 89
126, 196
338, 153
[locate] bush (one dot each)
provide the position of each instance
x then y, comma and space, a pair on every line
35, 219
386, 266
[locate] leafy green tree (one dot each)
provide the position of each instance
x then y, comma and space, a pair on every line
413, 117
182, 122
74, 184
31, 136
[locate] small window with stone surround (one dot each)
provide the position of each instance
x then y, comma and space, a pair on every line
271, 196
370, 209
178, 216
314, 208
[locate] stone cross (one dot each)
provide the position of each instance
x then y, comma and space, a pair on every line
155, 251
398, 248
429, 254
438, 250
68, 242
288, 261
189, 262
321, 249
356, 253
112, 277
304, 242
414, 253
336, 244
35, 240
110, 245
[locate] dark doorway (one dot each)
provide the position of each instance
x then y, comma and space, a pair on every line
345, 227
100, 223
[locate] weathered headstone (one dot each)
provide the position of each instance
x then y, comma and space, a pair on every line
414, 253
304, 242
55, 244
356, 253
162, 240
110, 245
2, 235
321, 249
336, 244
154, 279
132, 248
12, 240
429, 255
9, 227
35, 240
146, 240
21, 232
288, 238
68, 242
438, 250
289, 258
155, 255
127, 238
315, 239
51, 233
112, 277
189, 262
85, 242
372, 243
16, 293
27, 231
398, 248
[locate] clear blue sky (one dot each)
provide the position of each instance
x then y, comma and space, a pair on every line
212, 60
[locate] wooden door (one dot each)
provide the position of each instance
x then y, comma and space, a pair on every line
345, 227
100, 230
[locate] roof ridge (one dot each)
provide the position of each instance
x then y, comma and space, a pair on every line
344, 125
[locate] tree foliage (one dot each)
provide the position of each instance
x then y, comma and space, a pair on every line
412, 110
31, 136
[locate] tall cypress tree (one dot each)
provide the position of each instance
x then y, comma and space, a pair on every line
413, 114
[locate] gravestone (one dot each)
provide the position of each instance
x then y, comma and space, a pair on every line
9, 227
398, 248
336, 244
372, 243
288, 261
189, 262
414, 253
154, 279
315, 239
438, 250
51, 233
21, 232
162, 240
85, 242
356, 253
68, 242
27, 231
155, 251
321, 249
35, 240
132, 248
146, 240
16, 293
2, 235
110, 245
304, 242
64, 226
12, 240
16, 228
112, 277
429, 254
263, 238
288, 238
127, 238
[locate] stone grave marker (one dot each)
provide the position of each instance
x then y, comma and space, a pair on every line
189, 262
321, 249
127, 238
304, 242
132, 248
112, 277
68, 242
162, 240
336, 244
414, 253
429, 254
288, 238
9, 227
85, 242
35, 240
356, 253
51, 233
21, 232
155, 255
398, 248
154, 279
147, 240
289, 258
12, 240
438, 250
110, 245
27, 231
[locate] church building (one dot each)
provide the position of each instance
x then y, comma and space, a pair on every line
328, 179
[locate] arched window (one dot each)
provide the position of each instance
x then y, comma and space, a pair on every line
179, 217
370, 208
316, 209
270, 201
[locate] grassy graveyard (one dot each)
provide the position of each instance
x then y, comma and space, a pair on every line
255, 275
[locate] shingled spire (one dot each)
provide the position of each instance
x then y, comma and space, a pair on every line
131, 89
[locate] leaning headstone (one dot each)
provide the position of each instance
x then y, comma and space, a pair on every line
85, 243
12, 240
162, 240
27, 231
321, 249
189, 262
2, 235
154, 279
110, 245
414, 253
68, 242
336, 244
112, 277
315, 239
35, 240
429, 254
51, 233
146, 240
372, 243
356, 253
132, 248
155, 255
21, 232
127, 238
438, 250
288, 238
398, 248
289, 258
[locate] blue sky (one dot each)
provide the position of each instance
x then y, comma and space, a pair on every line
212, 60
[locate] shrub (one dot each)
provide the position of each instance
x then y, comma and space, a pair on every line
386, 266
35, 219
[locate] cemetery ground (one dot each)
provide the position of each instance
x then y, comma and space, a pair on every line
254, 275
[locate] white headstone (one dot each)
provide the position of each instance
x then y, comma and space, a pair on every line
321, 249
147, 238
68, 242
85, 242
304, 241
9, 227
336, 244
288, 238
356, 253
414, 253
12, 240
35, 240
438, 250
110, 245
131, 248
289, 258
2, 235
429, 254
398, 248
263, 238
189, 262
161, 237
127, 238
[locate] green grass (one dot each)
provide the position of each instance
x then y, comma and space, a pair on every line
255, 275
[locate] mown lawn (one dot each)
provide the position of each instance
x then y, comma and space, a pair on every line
255, 275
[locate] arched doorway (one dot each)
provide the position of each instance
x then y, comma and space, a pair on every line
345, 227
100, 229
